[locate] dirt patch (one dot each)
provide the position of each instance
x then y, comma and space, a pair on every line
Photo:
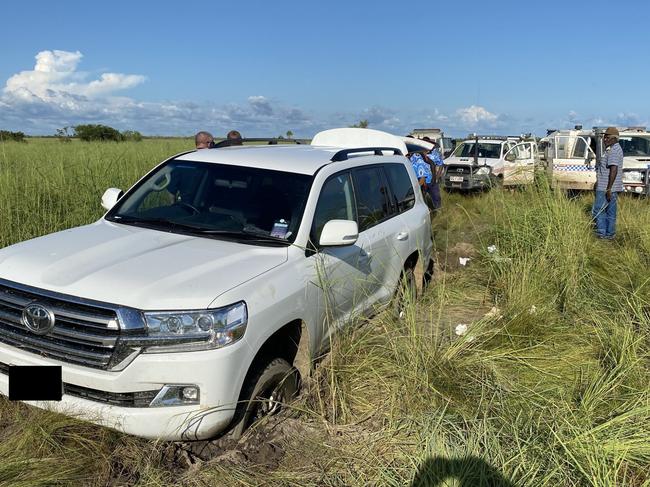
263, 446
450, 259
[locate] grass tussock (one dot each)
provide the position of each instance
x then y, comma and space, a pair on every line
548, 386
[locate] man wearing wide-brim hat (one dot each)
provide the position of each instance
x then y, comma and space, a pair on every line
609, 182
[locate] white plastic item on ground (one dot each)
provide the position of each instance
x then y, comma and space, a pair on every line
492, 249
494, 313
463, 261
460, 329
533, 309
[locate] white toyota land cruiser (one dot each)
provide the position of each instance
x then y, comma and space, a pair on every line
197, 301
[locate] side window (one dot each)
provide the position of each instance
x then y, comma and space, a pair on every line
336, 202
400, 183
580, 148
373, 196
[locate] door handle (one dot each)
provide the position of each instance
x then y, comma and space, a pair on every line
402, 236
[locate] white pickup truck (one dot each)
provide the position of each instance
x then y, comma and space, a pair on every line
571, 158
197, 301
483, 161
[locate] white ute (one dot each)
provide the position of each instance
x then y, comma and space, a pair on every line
571, 158
197, 301
483, 161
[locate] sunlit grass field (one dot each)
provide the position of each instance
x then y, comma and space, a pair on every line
548, 387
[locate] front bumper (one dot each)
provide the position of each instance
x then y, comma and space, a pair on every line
218, 373
635, 186
469, 182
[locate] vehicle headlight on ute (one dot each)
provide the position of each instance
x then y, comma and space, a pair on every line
482, 171
169, 331
632, 176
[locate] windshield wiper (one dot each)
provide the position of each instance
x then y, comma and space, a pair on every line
247, 236
239, 235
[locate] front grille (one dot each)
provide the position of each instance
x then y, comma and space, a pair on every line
458, 170
140, 399
83, 334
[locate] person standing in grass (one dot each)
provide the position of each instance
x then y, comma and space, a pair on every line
234, 137
437, 169
422, 173
609, 182
203, 140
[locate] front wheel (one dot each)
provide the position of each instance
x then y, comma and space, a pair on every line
264, 394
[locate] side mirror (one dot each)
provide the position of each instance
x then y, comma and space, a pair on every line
110, 197
337, 233
510, 157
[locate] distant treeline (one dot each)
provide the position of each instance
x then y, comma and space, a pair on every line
86, 132
15, 136
94, 132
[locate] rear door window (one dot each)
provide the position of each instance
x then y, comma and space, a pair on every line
401, 188
374, 202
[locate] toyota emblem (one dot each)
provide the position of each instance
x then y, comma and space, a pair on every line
38, 319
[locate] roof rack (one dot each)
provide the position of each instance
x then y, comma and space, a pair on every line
269, 141
342, 155
489, 137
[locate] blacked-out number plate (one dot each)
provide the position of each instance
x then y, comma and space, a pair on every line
35, 383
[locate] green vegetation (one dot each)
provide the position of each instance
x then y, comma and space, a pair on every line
548, 387
93, 132
6, 135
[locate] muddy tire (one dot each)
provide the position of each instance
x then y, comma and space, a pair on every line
272, 386
406, 293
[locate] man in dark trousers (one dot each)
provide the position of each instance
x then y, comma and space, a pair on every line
437, 170
609, 182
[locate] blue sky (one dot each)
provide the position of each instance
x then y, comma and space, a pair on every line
265, 68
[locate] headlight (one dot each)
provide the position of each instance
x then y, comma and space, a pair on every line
172, 331
482, 171
632, 176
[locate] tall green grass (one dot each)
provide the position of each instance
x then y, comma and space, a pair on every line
548, 387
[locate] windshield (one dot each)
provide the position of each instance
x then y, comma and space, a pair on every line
635, 146
489, 150
216, 200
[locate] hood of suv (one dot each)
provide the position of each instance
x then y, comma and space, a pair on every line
137, 267
469, 161
636, 162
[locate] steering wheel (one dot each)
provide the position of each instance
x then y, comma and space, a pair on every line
187, 206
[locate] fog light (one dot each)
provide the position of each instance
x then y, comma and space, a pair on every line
638, 189
176, 395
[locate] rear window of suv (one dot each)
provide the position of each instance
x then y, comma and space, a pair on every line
400, 183
374, 200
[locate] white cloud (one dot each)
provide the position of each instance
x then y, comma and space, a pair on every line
56, 93
474, 116
56, 80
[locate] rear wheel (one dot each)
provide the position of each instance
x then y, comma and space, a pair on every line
265, 393
405, 294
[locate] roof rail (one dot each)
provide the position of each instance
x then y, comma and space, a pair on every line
342, 155
489, 137
269, 141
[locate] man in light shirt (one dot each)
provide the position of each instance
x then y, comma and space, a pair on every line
609, 182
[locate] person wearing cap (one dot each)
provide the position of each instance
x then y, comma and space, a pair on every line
609, 182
